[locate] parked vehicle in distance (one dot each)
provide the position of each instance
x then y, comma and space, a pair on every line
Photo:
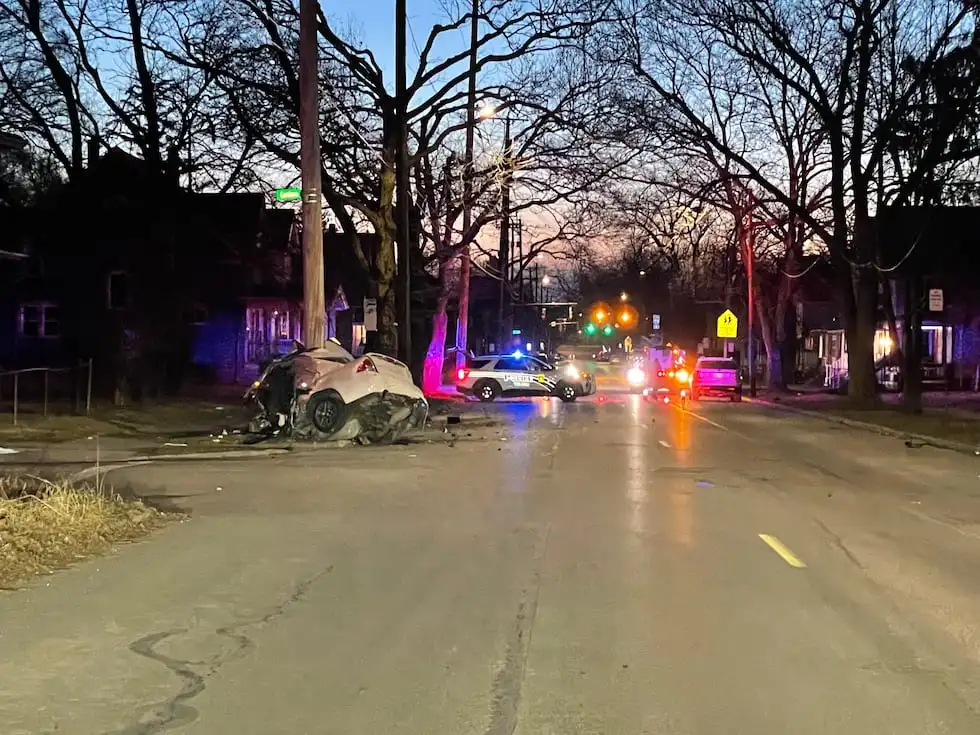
716, 376
673, 384
489, 377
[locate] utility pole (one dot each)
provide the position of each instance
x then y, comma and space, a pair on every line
503, 254
462, 317
403, 203
314, 309
750, 272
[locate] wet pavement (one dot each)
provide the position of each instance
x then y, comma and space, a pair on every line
603, 567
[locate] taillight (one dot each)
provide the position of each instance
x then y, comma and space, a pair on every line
366, 365
462, 373
660, 373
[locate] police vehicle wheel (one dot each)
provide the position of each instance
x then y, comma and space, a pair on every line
327, 412
486, 390
567, 393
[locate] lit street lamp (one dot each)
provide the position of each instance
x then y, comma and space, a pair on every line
624, 296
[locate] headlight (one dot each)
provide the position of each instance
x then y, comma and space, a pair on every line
572, 372
636, 376
683, 376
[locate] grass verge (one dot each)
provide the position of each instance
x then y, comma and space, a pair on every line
48, 524
954, 425
933, 423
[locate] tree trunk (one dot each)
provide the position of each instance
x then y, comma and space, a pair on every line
912, 355
435, 356
387, 316
860, 331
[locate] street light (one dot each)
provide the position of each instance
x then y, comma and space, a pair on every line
624, 296
546, 281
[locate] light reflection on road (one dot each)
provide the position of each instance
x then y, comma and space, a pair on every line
681, 498
636, 467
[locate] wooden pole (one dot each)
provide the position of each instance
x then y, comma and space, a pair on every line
402, 186
314, 308
462, 318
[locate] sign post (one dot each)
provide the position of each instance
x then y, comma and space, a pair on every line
727, 327
370, 315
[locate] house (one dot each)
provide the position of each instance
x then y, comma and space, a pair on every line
155, 283
937, 247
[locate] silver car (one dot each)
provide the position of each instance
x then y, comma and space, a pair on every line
489, 377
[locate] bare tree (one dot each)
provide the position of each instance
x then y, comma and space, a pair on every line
825, 53
60, 89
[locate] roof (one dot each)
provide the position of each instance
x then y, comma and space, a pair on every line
11, 142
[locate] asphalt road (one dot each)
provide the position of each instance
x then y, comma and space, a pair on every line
613, 567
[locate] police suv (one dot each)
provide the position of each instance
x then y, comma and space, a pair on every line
489, 377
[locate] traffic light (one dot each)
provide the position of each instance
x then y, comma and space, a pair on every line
628, 316
601, 313
608, 330
589, 328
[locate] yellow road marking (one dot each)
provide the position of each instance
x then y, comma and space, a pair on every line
780, 548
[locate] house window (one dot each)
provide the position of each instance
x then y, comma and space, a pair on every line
118, 290
197, 315
39, 320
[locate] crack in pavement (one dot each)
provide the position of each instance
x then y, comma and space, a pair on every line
509, 679
175, 712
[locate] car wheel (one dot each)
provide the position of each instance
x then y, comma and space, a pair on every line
327, 411
567, 393
486, 390
736, 397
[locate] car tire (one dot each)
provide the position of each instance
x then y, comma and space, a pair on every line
736, 397
487, 390
327, 412
566, 392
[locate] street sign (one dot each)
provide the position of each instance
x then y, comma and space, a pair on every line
293, 194
656, 322
935, 299
728, 325
371, 315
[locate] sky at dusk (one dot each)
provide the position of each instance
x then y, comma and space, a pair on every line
373, 22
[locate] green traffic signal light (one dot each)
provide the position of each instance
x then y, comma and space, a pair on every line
589, 328
607, 330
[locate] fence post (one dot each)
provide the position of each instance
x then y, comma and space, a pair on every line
45, 410
16, 394
88, 392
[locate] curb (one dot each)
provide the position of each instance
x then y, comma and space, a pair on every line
867, 426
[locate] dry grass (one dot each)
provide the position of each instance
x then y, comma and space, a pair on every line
48, 524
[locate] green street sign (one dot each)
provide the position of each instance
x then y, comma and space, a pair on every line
289, 195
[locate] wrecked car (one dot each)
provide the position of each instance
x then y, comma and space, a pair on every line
327, 393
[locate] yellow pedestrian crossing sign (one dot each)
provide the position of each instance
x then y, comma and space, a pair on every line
728, 325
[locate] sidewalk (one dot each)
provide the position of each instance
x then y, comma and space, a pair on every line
950, 420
